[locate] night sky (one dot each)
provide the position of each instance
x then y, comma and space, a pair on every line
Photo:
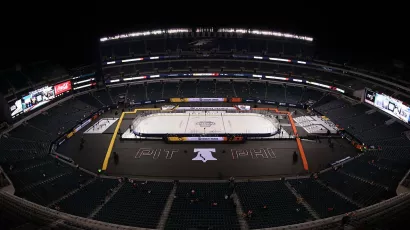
69, 35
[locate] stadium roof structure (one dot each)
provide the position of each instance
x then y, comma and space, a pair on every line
239, 31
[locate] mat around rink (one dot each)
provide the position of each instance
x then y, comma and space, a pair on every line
157, 159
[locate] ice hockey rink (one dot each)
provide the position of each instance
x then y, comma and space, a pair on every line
201, 122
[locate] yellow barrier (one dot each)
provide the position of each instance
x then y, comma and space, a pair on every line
114, 136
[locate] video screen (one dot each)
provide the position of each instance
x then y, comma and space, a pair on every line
370, 96
37, 98
16, 108
388, 104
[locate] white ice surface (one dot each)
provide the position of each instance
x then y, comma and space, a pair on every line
201, 123
101, 125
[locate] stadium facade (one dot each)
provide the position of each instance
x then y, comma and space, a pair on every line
196, 68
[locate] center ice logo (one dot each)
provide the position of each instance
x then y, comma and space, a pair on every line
204, 155
205, 123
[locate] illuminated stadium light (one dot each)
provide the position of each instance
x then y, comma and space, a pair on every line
280, 59
255, 75
232, 30
154, 76
297, 80
205, 74
318, 84
340, 90
145, 33
154, 58
265, 33
115, 80
132, 59
277, 78
86, 80
257, 57
134, 78
302, 62
83, 86
110, 62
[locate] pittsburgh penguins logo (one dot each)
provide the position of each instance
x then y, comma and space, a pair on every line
205, 124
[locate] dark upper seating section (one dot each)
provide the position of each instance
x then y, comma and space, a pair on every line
50, 190
293, 94
282, 207
136, 93
103, 96
257, 90
325, 202
86, 200
155, 91
60, 118
242, 89
276, 92
374, 173
357, 190
224, 89
202, 205
366, 124
188, 89
206, 89
15, 149
331, 106
172, 89
138, 204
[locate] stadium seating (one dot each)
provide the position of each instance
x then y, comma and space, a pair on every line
171, 89
117, 92
90, 100
357, 190
326, 98
396, 153
366, 180
16, 149
373, 173
155, 91
83, 202
61, 118
293, 94
224, 89
347, 111
382, 132
139, 206
242, 89
282, 207
196, 210
37, 173
206, 89
103, 96
363, 122
386, 163
188, 89
397, 141
276, 92
257, 90
330, 106
310, 95
136, 93
49, 191
323, 201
